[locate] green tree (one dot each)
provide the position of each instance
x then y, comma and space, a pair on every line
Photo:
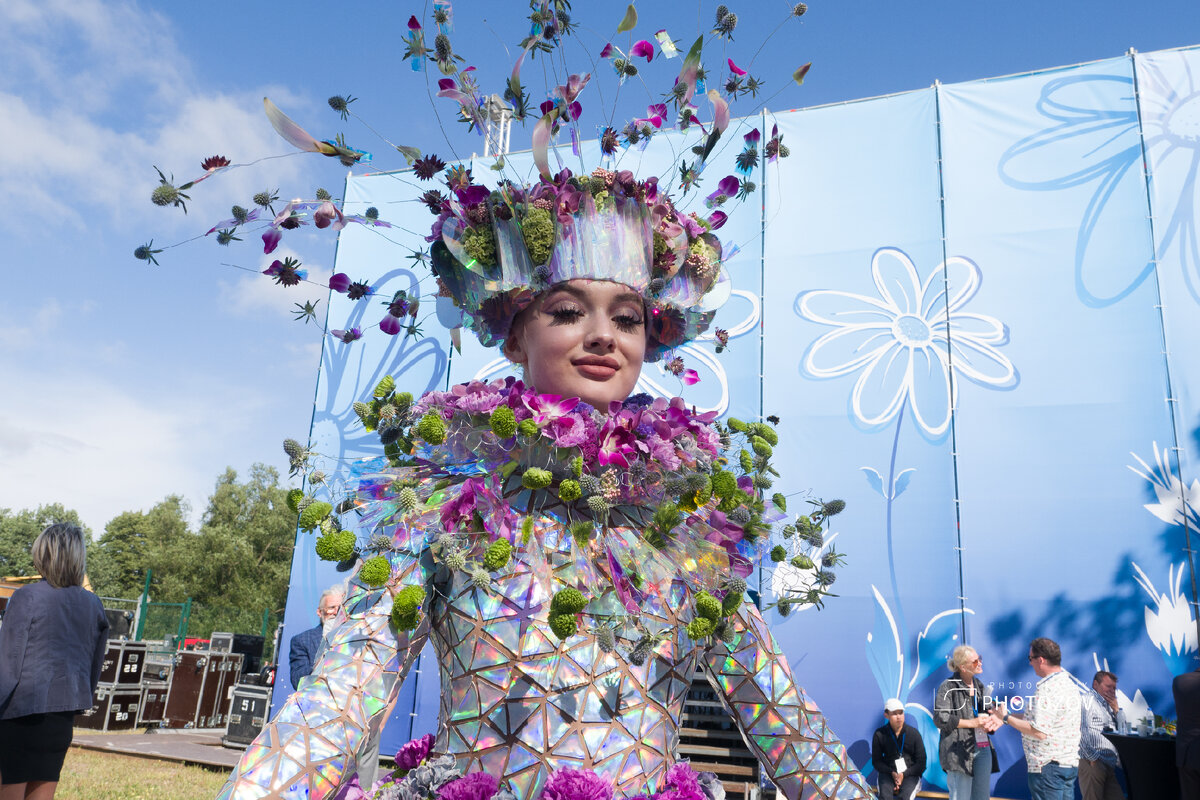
243, 553
135, 541
18, 530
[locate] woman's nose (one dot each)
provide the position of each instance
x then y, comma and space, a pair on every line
600, 336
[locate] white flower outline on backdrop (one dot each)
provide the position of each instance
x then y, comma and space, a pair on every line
909, 341
1101, 143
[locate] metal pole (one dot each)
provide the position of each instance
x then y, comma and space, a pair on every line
139, 624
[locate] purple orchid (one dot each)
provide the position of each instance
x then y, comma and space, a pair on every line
339, 282
752, 137
727, 188
271, 240
642, 49
717, 219
390, 325
735, 69
330, 216
347, 336
459, 513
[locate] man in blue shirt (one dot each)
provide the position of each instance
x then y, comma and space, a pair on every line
1097, 756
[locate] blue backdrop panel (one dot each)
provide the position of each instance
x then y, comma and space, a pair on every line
1085, 376
853, 334
952, 299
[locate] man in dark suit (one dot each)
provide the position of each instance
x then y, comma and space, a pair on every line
307, 644
1186, 688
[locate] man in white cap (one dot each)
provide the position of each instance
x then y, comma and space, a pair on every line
898, 754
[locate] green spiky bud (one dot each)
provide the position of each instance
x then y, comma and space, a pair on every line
708, 606
503, 422
362, 410
386, 385
455, 560
563, 626
432, 428
568, 601
606, 638
336, 546
527, 427
375, 572
833, 507
497, 554
537, 478
700, 628
569, 491
293, 500
403, 401
641, 651
311, 516
589, 484
597, 505
480, 578
778, 553
407, 498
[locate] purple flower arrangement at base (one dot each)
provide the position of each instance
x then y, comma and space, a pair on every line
417, 777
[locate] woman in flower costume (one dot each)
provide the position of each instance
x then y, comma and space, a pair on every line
573, 552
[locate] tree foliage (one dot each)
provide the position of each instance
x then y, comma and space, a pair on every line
19, 529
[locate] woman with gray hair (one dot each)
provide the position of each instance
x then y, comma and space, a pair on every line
48, 670
960, 712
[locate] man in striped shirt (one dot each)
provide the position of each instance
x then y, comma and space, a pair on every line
1097, 756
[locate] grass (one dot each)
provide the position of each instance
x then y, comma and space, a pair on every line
89, 775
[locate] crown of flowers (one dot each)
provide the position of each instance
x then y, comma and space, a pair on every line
495, 250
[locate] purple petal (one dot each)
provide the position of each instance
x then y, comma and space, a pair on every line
753, 136
447, 84
390, 325
607, 51
735, 68
413, 24
339, 282
728, 185
643, 49
717, 219
276, 265
547, 106
691, 377
271, 240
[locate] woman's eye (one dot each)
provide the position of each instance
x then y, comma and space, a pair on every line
564, 316
628, 322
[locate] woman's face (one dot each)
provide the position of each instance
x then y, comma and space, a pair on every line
972, 666
582, 339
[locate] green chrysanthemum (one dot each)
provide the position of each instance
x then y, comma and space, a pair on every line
577, 466
375, 572
582, 531
802, 562
778, 553
569, 491
538, 231
779, 501
497, 554
406, 607
386, 385
537, 478
708, 606
765, 431
736, 424
293, 500
568, 601
336, 546
700, 628
746, 461
311, 516
503, 422
761, 446
527, 427
724, 484
432, 428
563, 626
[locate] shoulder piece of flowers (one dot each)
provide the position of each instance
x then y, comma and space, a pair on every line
640, 494
422, 775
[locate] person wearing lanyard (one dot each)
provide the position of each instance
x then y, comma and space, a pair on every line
898, 754
965, 747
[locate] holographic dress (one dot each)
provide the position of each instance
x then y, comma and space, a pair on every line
516, 700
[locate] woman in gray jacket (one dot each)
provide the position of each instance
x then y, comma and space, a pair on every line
52, 644
960, 713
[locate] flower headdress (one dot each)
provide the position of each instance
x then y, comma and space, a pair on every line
496, 250
496, 247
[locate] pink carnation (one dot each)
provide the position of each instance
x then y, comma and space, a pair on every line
577, 784
412, 754
475, 786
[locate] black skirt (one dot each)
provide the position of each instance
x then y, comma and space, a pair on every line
33, 748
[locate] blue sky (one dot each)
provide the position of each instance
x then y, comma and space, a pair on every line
125, 382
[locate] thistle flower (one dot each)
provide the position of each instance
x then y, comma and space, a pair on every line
480, 578
167, 194
297, 455
266, 199
725, 25
589, 484
358, 290
147, 252
286, 272
214, 162
597, 505
608, 141
407, 498
833, 507
455, 560
640, 651
799, 9
341, 105
606, 638
227, 235
371, 213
